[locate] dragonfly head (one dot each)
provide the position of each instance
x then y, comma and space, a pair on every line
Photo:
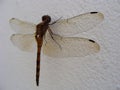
46, 19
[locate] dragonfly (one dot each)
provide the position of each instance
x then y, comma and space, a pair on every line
55, 39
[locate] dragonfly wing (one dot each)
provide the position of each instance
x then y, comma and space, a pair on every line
77, 24
69, 46
25, 42
22, 27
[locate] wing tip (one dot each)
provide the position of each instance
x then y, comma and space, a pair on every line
97, 46
101, 14
11, 19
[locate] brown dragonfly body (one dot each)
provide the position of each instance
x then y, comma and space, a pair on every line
41, 29
58, 35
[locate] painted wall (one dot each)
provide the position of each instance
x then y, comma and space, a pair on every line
100, 71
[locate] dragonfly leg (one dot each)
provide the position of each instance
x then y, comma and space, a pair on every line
51, 34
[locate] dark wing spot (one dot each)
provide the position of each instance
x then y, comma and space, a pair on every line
91, 41
12, 18
13, 34
93, 12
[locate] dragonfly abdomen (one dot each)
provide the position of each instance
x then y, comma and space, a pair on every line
39, 45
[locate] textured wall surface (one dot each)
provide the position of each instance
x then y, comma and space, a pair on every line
100, 71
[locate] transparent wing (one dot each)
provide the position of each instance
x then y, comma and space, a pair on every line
59, 47
69, 46
22, 27
77, 24
25, 42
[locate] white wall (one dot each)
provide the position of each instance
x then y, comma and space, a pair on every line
100, 71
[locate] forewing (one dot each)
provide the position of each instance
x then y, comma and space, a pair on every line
69, 46
25, 42
77, 24
22, 27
